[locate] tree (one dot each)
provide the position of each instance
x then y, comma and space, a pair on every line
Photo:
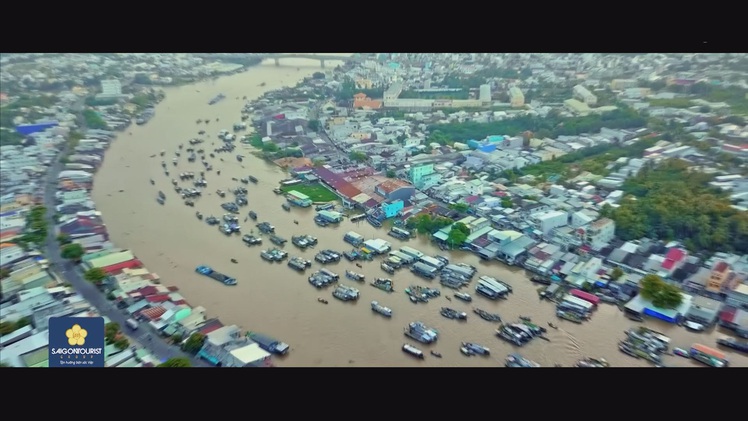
458, 234
358, 156
72, 252
460, 207
194, 343
506, 202
111, 330
176, 362
176, 338
63, 239
617, 273
95, 275
313, 125
121, 343
391, 174
661, 293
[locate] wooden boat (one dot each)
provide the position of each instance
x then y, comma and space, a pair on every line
322, 300
552, 325
436, 354
234, 261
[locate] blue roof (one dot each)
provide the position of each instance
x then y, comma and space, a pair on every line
27, 129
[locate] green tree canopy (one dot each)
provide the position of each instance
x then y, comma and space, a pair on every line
194, 343
458, 234
95, 275
661, 293
72, 251
176, 362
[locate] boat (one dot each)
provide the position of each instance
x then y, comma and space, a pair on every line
161, 195
286, 207
525, 318
684, 353
354, 276
552, 325
322, 300
464, 296
476, 348
411, 350
518, 361
491, 317
385, 284
216, 100
590, 362
346, 293
635, 317
160, 201
466, 351
567, 315
413, 299
421, 333
436, 354
387, 268
451, 313
234, 261
299, 263
253, 215
269, 344
212, 220
199, 215
732, 343
384, 311
277, 191
253, 179
209, 272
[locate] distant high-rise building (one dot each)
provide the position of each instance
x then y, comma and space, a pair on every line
516, 97
111, 87
485, 93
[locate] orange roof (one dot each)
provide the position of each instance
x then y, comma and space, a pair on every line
4, 245
359, 95
391, 185
367, 103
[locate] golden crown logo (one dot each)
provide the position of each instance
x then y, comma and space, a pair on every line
76, 335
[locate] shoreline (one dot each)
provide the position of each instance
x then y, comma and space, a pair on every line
243, 306
160, 108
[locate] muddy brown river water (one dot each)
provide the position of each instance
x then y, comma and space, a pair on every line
276, 300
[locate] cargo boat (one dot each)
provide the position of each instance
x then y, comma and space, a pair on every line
572, 317
411, 350
345, 293
269, 344
491, 317
384, 311
354, 276
518, 361
218, 98
453, 314
299, 264
464, 296
476, 348
421, 333
590, 362
384, 284
209, 272
741, 346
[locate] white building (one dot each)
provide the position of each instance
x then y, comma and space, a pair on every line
516, 97
600, 233
111, 87
485, 93
547, 221
583, 94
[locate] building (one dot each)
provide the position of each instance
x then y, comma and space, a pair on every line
111, 87
703, 310
360, 101
583, 94
418, 173
600, 233
299, 199
621, 84
395, 190
485, 93
547, 221
516, 97
719, 278
392, 208
577, 107
330, 216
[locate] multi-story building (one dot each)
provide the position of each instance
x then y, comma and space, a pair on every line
600, 233
583, 94
516, 97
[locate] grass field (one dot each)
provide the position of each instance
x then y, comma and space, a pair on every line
316, 192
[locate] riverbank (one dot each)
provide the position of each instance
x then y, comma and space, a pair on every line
273, 299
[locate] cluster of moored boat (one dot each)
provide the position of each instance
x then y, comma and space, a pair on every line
644, 343
521, 332
328, 256
419, 294
274, 255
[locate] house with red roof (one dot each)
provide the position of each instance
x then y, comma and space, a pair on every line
674, 258
82, 226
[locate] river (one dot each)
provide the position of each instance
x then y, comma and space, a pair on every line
273, 299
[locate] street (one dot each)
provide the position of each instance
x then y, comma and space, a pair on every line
148, 338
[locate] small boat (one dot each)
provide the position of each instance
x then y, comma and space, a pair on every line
384, 311
491, 317
286, 207
413, 299
322, 300
296, 222
464, 296
199, 215
525, 318
436, 354
476, 348
152, 182
466, 351
552, 325
234, 261
410, 349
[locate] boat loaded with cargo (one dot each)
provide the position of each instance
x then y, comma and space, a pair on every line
411, 350
491, 317
518, 361
384, 311
269, 344
209, 272
345, 293
218, 98
385, 284
421, 333
354, 276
